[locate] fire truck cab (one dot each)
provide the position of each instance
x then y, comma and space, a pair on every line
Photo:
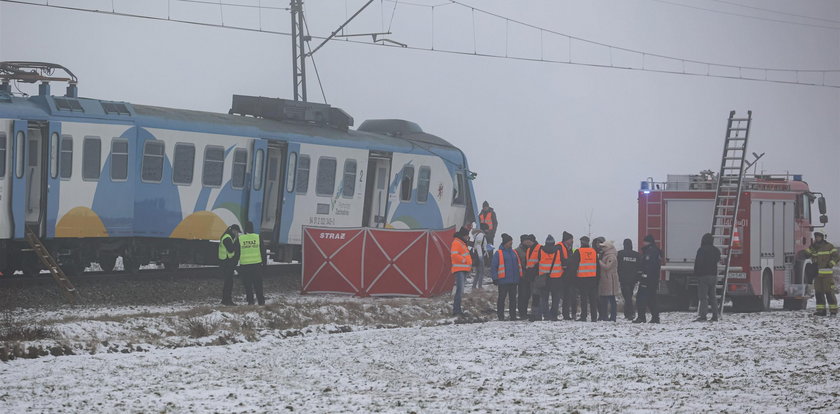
773, 224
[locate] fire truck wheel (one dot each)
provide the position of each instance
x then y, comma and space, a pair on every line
766, 292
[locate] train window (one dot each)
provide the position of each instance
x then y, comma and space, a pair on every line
2, 154
325, 180
65, 162
183, 164
214, 166
290, 173
258, 170
407, 183
20, 141
240, 161
53, 155
302, 179
91, 158
348, 185
119, 159
152, 168
458, 194
423, 179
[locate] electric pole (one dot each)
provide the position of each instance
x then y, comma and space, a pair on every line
298, 53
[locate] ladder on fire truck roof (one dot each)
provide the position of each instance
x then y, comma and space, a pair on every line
728, 195
67, 289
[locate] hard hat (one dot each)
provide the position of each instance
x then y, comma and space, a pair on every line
821, 233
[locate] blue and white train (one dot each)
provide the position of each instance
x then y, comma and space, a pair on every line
100, 179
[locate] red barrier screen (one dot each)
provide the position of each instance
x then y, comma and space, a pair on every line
376, 262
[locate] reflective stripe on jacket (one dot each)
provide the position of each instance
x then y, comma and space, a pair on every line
501, 272
588, 266
487, 218
551, 264
533, 255
460, 254
249, 249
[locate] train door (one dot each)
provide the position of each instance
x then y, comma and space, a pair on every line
376, 191
272, 204
29, 177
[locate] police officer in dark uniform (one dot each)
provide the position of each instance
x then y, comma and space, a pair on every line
650, 266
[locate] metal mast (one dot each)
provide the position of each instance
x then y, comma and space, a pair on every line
298, 54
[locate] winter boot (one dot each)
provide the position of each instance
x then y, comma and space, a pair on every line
654, 319
714, 318
702, 319
640, 319
820, 312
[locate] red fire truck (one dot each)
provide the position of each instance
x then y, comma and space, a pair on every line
773, 223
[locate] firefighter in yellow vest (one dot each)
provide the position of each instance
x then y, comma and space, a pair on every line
825, 256
584, 264
228, 256
461, 265
251, 259
488, 216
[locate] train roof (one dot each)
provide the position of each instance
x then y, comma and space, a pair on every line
386, 135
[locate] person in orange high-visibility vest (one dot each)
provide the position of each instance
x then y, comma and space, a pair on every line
584, 264
506, 274
550, 267
488, 216
524, 290
461, 265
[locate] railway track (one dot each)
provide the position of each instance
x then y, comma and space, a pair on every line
94, 277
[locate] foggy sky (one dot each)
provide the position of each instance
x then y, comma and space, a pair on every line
551, 143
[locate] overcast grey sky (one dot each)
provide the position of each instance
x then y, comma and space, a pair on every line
550, 142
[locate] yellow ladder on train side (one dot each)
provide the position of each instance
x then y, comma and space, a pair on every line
67, 289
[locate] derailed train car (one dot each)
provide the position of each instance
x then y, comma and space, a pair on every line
99, 180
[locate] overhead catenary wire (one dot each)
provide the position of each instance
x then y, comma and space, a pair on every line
801, 16
747, 16
644, 67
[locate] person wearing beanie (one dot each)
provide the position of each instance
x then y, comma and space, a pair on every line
488, 216
706, 271
584, 264
628, 276
524, 286
567, 282
596, 243
229, 257
549, 259
532, 271
650, 267
461, 265
506, 274
557, 280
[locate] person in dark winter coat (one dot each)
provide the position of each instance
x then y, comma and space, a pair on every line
628, 276
228, 257
585, 267
548, 260
506, 273
569, 290
524, 286
706, 270
650, 265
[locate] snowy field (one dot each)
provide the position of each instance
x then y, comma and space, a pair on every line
770, 362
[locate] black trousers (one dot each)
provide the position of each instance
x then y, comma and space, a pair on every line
627, 288
227, 267
588, 290
524, 288
507, 291
555, 289
570, 304
252, 279
646, 299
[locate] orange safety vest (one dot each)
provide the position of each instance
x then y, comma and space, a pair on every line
588, 266
533, 256
460, 254
486, 218
501, 272
550, 264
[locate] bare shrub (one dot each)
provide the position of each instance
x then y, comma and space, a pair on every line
199, 328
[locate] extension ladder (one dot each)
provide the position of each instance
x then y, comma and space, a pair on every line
728, 195
64, 284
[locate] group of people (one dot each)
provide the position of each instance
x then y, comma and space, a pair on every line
246, 251
534, 280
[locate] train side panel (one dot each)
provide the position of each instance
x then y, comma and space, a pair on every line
5, 178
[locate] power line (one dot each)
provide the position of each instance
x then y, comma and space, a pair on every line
802, 16
642, 68
747, 16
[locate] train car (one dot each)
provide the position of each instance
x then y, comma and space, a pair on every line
97, 180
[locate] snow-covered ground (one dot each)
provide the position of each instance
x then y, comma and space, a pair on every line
769, 362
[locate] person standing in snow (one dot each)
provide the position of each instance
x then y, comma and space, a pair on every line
461, 264
567, 282
584, 263
488, 216
825, 256
524, 286
557, 278
228, 257
706, 271
481, 255
506, 274
251, 259
650, 265
549, 259
628, 276
608, 286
